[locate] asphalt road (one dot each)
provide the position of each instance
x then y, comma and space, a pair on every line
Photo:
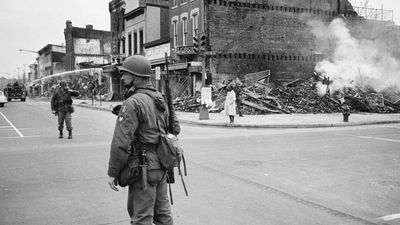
236, 176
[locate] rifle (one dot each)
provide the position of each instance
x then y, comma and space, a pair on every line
171, 116
171, 121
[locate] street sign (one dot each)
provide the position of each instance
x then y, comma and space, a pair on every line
206, 95
158, 73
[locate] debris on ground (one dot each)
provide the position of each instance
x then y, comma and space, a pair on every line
298, 96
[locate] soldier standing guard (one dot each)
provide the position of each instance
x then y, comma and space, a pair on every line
137, 129
61, 106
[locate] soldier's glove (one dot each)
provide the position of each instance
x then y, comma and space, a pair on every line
116, 109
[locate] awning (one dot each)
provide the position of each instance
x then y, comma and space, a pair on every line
178, 66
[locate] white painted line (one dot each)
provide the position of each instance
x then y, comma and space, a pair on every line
16, 130
385, 139
2, 127
364, 137
390, 217
375, 138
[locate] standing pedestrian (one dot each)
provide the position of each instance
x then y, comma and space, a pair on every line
61, 106
142, 117
230, 104
238, 91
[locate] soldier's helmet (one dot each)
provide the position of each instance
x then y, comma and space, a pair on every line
137, 65
63, 83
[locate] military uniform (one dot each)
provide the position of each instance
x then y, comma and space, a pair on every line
60, 103
137, 123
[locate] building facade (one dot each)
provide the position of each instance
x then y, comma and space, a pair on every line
51, 60
139, 27
86, 47
248, 36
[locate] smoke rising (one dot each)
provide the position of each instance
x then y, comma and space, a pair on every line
350, 61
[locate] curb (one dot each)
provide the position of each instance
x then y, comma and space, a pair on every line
93, 107
318, 125
254, 126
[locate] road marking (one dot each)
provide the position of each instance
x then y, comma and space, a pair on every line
12, 125
385, 139
5, 127
380, 139
390, 217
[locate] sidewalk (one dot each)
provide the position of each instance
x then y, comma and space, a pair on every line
268, 121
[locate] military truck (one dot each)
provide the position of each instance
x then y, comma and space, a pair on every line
15, 91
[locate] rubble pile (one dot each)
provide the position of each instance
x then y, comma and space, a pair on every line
299, 96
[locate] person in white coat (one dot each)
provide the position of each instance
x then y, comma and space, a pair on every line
230, 104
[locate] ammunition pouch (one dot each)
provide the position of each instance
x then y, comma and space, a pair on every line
130, 173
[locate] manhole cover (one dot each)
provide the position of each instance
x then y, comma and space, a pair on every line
248, 163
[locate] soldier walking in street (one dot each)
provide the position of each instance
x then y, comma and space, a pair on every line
143, 115
61, 106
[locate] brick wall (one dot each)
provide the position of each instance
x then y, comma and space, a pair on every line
251, 37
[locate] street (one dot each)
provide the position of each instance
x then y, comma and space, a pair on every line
346, 175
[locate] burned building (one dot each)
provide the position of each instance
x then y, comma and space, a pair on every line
86, 47
245, 36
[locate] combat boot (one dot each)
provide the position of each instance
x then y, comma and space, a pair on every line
70, 134
61, 134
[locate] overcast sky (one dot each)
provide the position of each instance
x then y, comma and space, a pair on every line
31, 25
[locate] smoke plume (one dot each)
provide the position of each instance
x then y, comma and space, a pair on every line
350, 61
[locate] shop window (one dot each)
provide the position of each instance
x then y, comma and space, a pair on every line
130, 44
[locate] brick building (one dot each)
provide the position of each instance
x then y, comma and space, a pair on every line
249, 36
51, 60
138, 27
86, 47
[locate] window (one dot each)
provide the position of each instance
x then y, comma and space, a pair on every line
195, 20
184, 31
135, 43
175, 33
123, 45
173, 2
130, 44
119, 47
141, 41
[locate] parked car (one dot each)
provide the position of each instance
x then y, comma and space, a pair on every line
3, 99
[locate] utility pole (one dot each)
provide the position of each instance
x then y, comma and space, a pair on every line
203, 47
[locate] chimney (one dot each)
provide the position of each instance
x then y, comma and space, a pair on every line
89, 27
69, 24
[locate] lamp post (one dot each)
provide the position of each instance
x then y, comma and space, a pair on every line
25, 50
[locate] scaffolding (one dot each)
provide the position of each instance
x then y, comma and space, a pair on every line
364, 10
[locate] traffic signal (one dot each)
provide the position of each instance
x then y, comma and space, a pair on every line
196, 44
199, 43
203, 42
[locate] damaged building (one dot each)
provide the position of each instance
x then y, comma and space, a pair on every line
86, 47
249, 36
